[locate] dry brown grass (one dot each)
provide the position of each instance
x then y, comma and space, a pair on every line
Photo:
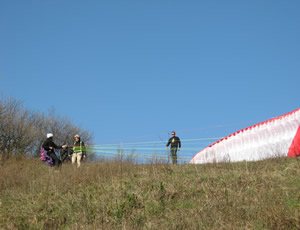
116, 195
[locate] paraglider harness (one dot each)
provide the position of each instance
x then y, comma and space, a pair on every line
46, 158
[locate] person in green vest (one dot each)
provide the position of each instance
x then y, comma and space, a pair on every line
79, 151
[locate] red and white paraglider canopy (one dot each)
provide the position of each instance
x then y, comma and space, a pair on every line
276, 137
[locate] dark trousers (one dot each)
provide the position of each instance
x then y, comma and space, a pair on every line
173, 153
57, 161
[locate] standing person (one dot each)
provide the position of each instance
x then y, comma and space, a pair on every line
175, 144
78, 150
49, 146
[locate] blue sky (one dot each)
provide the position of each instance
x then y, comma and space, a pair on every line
132, 71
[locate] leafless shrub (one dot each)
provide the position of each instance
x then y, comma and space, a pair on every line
16, 127
22, 131
226, 158
122, 156
157, 160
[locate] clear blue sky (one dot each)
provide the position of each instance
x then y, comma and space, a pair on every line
133, 71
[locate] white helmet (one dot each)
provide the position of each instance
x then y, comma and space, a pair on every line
49, 135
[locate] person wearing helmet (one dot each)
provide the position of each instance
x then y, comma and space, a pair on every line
175, 144
78, 150
49, 146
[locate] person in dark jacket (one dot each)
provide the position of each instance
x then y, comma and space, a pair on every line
49, 146
175, 145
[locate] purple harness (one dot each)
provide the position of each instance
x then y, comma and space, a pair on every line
44, 157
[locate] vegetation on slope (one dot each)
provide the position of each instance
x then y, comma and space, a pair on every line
118, 195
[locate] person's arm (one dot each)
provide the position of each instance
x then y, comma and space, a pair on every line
83, 149
169, 142
57, 146
179, 142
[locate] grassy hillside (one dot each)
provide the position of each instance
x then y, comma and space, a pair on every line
256, 195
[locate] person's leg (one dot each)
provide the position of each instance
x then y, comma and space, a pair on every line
74, 156
79, 155
174, 155
59, 163
56, 160
175, 158
171, 155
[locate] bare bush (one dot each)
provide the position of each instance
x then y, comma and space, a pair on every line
22, 132
16, 127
